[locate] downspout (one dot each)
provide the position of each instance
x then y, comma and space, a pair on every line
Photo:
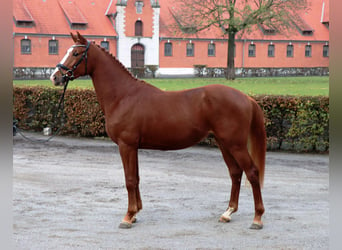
13, 55
243, 54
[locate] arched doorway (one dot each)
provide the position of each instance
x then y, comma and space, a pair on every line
138, 56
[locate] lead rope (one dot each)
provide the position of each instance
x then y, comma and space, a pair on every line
60, 106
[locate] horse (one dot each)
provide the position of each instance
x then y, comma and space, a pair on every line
141, 116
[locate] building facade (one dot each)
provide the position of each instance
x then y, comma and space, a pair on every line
141, 34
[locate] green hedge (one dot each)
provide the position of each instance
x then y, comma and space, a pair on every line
298, 124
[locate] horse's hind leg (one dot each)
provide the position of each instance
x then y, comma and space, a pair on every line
235, 173
139, 202
245, 162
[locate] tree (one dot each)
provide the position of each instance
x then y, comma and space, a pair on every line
237, 16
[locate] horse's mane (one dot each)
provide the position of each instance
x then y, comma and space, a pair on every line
124, 69
117, 61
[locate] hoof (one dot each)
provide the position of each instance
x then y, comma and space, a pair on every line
134, 220
256, 226
125, 225
224, 219
226, 216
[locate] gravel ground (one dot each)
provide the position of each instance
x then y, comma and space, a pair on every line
69, 193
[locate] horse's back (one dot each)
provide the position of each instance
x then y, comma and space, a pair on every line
221, 99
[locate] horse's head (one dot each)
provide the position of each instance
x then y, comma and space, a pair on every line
74, 63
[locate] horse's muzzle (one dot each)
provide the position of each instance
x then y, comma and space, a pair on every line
57, 78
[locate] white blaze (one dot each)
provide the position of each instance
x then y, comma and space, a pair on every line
62, 62
67, 55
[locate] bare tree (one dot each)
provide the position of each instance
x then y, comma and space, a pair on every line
234, 16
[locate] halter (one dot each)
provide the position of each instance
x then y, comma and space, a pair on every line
69, 74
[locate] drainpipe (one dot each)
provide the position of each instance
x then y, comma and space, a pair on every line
243, 53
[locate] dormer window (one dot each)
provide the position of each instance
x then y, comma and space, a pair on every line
304, 28
267, 30
73, 14
139, 4
22, 16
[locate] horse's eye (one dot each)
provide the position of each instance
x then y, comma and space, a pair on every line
75, 53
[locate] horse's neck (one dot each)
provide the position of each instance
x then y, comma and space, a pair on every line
111, 80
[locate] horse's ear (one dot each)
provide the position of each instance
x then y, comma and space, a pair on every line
73, 37
81, 39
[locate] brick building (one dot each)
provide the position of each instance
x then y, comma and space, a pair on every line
141, 33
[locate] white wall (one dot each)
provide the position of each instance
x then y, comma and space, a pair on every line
125, 44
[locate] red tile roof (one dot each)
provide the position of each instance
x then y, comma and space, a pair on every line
308, 21
54, 16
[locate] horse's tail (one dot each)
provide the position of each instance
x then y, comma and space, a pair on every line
257, 140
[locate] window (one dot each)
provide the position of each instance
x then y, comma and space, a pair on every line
25, 24
211, 49
25, 46
307, 32
325, 50
78, 26
138, 28
289, 50
307, 50
270, 51
105, 45
251, 50
53, 47
189, 29
267, 30
139, 6
190, 49
168, 49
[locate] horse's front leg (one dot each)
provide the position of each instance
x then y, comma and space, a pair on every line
129, 157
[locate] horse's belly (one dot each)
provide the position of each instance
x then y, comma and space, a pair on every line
172, 140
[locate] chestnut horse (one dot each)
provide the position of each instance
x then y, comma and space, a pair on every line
139, 115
